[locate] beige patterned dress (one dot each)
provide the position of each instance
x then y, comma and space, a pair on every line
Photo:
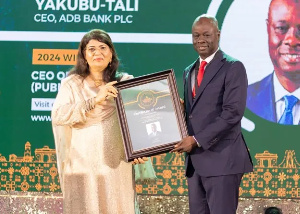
94, 175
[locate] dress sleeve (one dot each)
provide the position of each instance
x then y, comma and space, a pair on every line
67, 111
144, 173
62, 139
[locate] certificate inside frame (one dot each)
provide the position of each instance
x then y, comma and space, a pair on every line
150, 114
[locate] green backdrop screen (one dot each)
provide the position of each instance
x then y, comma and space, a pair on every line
38, 41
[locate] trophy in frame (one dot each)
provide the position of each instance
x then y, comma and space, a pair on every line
150, 114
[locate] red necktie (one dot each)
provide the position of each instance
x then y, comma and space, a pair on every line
199, 76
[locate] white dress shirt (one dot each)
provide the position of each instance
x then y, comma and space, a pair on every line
280, 92
208, 60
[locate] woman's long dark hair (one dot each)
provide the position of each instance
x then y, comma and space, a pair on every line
82, 68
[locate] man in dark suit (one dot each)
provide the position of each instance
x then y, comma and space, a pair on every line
276, 97
217, 156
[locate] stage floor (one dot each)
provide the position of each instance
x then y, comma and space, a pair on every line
36, 202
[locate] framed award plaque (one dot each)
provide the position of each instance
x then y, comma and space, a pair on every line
150, 114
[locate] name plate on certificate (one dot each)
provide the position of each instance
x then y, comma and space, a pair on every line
150, 114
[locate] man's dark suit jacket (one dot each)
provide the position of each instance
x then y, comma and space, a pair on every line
261, 98
214, 118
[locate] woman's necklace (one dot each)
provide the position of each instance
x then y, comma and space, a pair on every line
97, 82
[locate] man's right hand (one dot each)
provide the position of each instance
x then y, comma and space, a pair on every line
186, 145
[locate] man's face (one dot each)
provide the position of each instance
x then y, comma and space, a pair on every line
206, 37
284, 36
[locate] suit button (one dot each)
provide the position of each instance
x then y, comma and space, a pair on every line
190, 117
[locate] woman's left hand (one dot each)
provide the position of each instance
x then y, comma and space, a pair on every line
139, 160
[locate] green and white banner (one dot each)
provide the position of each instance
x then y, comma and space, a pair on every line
39, 41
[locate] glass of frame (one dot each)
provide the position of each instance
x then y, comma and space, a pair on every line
150, 114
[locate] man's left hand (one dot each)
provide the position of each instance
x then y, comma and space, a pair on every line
186, 145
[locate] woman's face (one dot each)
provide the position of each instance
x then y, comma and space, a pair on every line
98, 55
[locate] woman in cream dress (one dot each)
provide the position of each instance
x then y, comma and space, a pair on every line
95, 178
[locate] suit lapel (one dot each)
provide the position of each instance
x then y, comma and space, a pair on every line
210, 71
266, 98
188, 86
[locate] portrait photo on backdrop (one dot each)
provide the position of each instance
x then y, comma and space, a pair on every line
276, 97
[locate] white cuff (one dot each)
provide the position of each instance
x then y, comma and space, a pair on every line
198, 144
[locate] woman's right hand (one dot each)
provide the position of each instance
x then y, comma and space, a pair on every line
106, 92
